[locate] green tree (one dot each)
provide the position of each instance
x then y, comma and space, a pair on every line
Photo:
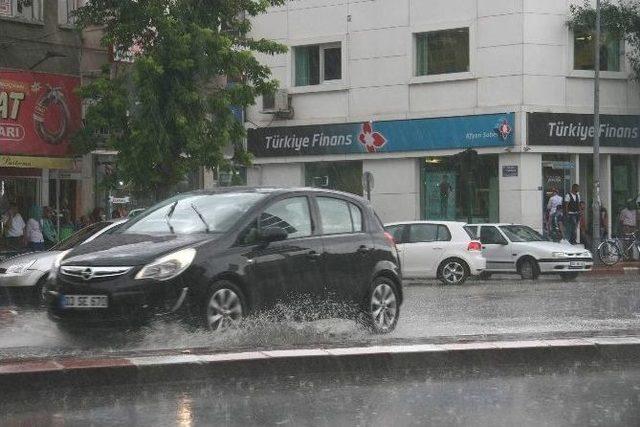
620, 20
170, 110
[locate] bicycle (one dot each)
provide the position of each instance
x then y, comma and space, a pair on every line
612, 251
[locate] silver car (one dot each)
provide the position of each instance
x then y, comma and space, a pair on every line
31, 270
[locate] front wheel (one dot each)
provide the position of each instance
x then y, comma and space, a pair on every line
453, 272
609, 253
529, 269
383, 308
225, 306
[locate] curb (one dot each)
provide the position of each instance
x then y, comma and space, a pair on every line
36, 373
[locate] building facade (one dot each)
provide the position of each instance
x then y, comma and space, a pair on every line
458, 109
43, 60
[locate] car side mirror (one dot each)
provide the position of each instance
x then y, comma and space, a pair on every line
273, 234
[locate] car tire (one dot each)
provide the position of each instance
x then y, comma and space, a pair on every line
528, 269
382, 308
453, 271
37, 295
224, 306
569, 276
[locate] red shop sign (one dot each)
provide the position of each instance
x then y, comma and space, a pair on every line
39, 113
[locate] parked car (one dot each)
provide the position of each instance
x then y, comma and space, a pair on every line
515, 248
442, 250
31, 270
221, 255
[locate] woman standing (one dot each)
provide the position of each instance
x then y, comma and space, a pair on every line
33, 231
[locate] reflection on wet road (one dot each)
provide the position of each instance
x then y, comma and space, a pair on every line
498, 307
515, 395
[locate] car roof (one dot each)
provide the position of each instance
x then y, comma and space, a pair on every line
426, 222
497, 224
276, 191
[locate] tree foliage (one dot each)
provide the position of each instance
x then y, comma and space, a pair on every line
620, 20
169, 111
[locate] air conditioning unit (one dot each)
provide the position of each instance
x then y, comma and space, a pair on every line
278, 104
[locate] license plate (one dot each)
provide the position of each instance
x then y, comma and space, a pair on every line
576, 264
85, 301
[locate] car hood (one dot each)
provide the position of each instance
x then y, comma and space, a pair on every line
129, 249
553, 247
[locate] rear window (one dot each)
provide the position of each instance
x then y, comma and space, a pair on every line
339, 216
471, 231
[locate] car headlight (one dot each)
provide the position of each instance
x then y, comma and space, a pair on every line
20, 268
559, 255
168, 266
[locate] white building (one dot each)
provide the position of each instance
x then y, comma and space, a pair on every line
434, 77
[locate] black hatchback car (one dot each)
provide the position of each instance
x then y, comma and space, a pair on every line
218, 256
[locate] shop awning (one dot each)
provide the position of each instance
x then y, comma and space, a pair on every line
37, 162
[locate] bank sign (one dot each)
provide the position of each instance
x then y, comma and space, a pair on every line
493, 130
577, 130
38, 113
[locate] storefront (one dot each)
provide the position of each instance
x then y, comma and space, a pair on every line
38, 114
420, 168
566, 144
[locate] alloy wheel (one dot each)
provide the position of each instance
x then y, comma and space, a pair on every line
384, 307
453, 272
224, 309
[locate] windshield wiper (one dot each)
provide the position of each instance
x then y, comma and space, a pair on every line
206, 225
169, 214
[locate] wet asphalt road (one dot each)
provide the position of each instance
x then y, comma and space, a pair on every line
516, 395
431, 312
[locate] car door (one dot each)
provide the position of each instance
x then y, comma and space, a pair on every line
422, 252
286, 269
348, 248
495, 248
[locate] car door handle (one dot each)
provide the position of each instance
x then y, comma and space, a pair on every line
313, 255
437, 249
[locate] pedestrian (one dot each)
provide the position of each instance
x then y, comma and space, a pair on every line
572, 213
627, 218
445, 189
604, 223
14, 227
49, 230
33, 230
115, 214
554, 214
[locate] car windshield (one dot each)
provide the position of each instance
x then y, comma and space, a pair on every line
193, 214
521, 233
80, 236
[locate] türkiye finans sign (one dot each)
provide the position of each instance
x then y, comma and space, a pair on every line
578, 130
492, 130
38, 113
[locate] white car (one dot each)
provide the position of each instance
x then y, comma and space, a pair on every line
31, 270
437, 249
514, 248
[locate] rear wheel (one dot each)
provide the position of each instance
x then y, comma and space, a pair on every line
383, 308
453, 271
225, 306
528, 269
569, 276
609, 253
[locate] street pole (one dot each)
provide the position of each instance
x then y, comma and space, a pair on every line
596, 138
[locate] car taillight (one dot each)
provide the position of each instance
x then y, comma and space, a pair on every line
474, 246
390, 239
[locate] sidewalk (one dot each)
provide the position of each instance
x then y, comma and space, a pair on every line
622, 268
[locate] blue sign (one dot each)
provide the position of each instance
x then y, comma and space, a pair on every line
490, 130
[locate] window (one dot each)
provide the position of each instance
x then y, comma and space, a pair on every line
472, 231
584, 52
396, 232
290, 214
339, 216
423, 233
442, 52
30, 10
521, 233
65, 9
491, 236
315, 64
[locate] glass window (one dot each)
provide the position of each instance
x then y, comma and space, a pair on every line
584, 52
423, 233
65, 9
521, 233
335, 215
342, 176
290, 214
396, 232
472, 231
315, 64
356, 217
491, 236
624, 187
443, 233
193, 213
30, 10
442, 52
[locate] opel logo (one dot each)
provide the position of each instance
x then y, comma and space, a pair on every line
87, 274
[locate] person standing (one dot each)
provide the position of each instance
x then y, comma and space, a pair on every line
33, 230
48, 228
14, 226
628, 218
553, 213
572, 209
445, 189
